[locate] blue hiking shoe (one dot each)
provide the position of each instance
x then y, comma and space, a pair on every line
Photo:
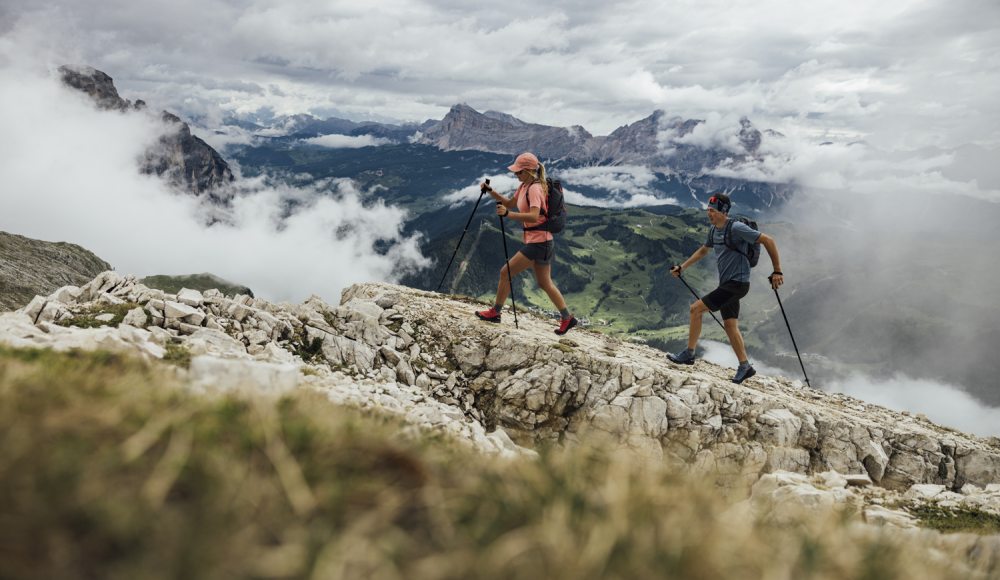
743, 374
681, 358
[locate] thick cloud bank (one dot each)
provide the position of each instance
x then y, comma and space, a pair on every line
943, 404
70, 173
899, 73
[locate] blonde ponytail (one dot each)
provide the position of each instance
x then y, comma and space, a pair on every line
540, 179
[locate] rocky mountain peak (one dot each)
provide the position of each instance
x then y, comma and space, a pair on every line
183, 159
750, 137
465, 128
98, 85
504, 117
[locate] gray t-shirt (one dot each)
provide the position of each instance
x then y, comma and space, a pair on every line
733, 265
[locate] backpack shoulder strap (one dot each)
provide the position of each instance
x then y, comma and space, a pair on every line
727, 236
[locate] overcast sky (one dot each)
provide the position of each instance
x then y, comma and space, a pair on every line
901, 74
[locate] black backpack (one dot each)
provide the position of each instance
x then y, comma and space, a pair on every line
727, 238
557, 209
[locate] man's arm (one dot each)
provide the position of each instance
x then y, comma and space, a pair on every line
694, 259
772, 251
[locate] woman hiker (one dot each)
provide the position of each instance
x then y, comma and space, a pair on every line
538, 252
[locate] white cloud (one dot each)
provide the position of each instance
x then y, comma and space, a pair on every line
944, 404
70, 173
898, 74
626, 187
346, 141
718, 131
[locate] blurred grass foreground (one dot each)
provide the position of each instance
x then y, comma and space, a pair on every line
110, 469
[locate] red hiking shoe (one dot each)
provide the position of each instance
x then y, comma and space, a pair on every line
565, 325
490, 315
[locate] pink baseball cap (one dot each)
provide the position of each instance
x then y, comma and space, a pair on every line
524, 161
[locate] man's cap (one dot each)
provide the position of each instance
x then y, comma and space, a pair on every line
524, 161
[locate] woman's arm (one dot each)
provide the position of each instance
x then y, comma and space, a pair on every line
508, 203
531, 216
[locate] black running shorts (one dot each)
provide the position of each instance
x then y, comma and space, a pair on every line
543, 253
726, 298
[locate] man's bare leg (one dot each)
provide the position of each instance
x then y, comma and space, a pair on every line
694, 330
735, 338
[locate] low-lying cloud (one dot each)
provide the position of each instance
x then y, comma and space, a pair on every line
626, 187
347, 141
70, 173
942, 403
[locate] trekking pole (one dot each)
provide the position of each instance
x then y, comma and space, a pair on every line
790, 333
699, 298
510, 280
482, 192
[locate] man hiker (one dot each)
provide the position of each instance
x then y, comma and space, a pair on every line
734, 281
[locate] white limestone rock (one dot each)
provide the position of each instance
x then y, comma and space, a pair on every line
876, 515
52, 312
34, 308
66, 295
190, 297
258, 337
180, 311
210, 373
276, 354
778, 427
104, 282
135, 317
206, 341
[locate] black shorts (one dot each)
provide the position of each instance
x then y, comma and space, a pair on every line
726, 298
543, 253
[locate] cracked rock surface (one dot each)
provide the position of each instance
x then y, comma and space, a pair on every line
425, 357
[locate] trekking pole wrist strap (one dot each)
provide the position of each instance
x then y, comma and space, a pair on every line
506, 213
777, 274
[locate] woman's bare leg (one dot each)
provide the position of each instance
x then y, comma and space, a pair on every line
542, 276
518, 264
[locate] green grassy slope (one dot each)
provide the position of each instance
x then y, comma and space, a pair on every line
415, 177
200, 282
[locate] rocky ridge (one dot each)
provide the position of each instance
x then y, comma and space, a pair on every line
183, 159
421, 355
29, 267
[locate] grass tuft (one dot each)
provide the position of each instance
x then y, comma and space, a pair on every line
177, 355
957, 519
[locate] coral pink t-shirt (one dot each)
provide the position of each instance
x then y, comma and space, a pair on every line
535, 198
